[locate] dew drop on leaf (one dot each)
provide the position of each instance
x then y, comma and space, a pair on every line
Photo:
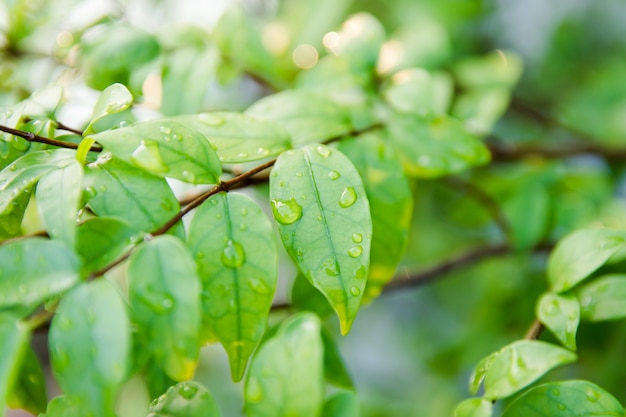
298, 174
360, 272
355, 251
348, 197
233, 255
189, 176
244, 211
187, 391
165, 130
263, 151
561, 407
148, 157
286, 212
355, 291
556, 392
258, 286
593, 396
333, 175
90, 192
323, 151
211, 119
357, 238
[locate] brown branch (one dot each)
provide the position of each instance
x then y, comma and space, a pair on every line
31, 137
534, 331
62, 126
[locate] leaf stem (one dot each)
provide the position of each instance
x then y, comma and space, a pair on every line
31, 137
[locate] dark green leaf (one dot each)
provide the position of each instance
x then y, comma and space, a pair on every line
29, 388
114, 99
164, 295
34, 269
565, 399
342, 404
335, 371
308, 117
11, 220
236, 252
324, 220
165, 148
528, 210
14, 337
603, 298
304, 296
436, 146
186, 399
561, 314
275, 385
581, 253
474, 407
114, 188
90, 345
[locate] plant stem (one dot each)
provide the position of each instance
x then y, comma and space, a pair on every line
31, 137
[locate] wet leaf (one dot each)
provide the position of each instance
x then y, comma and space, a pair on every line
235, 248
603, 298
474, 407
114, 99
29, 388
186, 399
164, 295
14, 345
561, 314
324, 220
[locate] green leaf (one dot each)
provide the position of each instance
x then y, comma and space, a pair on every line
480, 371
416, 91
14, 337
561, 314
165, 148
156, 380
335, 371
58, 196
581, 253
474, 407
275, 385
391, 204
101, 240
519, 364
603, 298
324, 220
64, 406
20, 177
432, 147
186, 399
11, 219
342, 404
235, 248
114, 99
480, 109
308, 117
29, 388
90, 345
304, 296
239, 137
114, 188
34, 269
360, 39
528, 210
498, 68
164, 295
565, 399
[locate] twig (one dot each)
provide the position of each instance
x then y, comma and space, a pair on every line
62, 126
534, 331
31, 137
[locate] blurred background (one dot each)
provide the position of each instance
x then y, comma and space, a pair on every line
410, 351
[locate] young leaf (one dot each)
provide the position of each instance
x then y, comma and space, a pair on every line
335, 371
432, 147
308, 117
58, 195
519, 364
164, 295
115, 188
90, 345
34, 269
238, 137
561, 314
14, 337
474, 407
29, 388
65, 406
165, 148
580, 253
236, 252
342, 404
20, 177
567, 398
391, 204
603, 298
324, 220
114, 99
480, 371
275, 385
186, 399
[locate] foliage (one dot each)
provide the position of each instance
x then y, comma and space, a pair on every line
340, 150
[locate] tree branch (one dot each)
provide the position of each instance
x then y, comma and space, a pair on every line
31, 137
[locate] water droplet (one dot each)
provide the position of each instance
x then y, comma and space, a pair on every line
357, 238
556, 392
242, 155
13, 167
263, 151
333, 175
165, 130
347, 198
281, 184
593, 396
187, 391
189, 176
286, 212
355, 251
90, 192
242, 226
233, 255
330, 267
360, 272
211, 119
552, 308
298, 174
561, 407
355, 291
319, 218
258, 286
244, 211
323, 151
299, 255
254, 392
148, 157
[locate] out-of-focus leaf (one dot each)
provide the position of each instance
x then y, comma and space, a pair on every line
561, 314
580, 253
498, 68
304, 296
324, 220
114, 99
480, 371
416, 91
14, 337
435, 146
34, 269
567, 398
164, 295
236, 253
528, 210
359, 40
58, 195
308, 117
480, 109
185, 399
474, 407
64, 406
90, 345
29, 388
275, 385
391, 205
335, 371
115, 188
166, 148
603, 298
238, 137
342, 404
